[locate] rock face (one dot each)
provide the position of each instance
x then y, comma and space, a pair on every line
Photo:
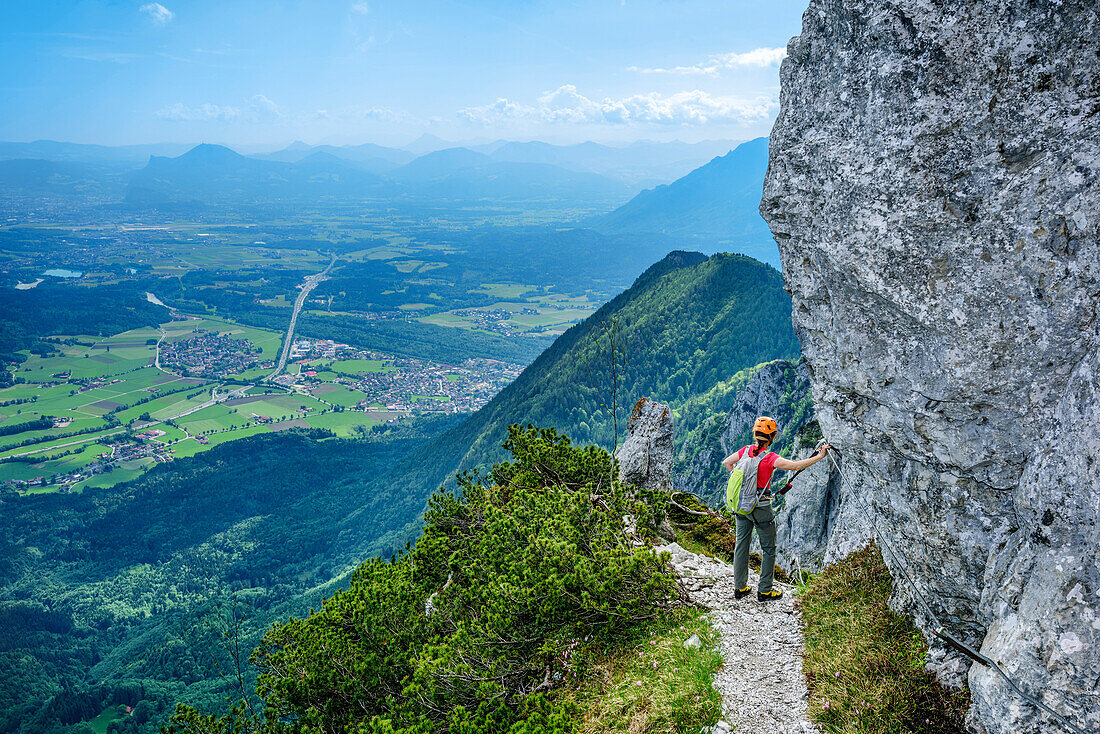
645, 458
934, 188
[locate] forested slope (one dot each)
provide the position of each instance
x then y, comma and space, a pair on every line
686, 324
120, 596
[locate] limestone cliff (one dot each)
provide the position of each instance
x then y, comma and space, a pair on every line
934, 188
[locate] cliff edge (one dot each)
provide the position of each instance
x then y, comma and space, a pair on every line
934, 189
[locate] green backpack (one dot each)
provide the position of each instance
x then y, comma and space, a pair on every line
743, 477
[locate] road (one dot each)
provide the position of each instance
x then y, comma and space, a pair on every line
307, 285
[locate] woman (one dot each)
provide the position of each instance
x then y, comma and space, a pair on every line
762, 463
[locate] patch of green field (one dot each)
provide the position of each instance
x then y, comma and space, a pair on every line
354, 366
90, 364
264, 390
171, 433
49, 489
59, 465
447, 319
190, 447
214, 418
181, 404
342, 424
344, 397
453, 378
17, 392
43, 448
126, 471
440, 398
159, 405
255, 373
502, 290
102, 721
414, 306
85, 422
277, 406
323, 375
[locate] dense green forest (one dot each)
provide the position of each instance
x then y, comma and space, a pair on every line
54, 308
118, 595
481, 625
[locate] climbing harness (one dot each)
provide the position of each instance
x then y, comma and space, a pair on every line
939, 630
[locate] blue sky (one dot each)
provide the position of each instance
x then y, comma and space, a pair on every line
251, 72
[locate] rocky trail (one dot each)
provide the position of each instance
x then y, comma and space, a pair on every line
762, 686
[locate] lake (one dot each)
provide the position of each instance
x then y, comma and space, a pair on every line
58, 273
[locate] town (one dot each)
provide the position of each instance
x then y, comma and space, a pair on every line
212, 354
395, 383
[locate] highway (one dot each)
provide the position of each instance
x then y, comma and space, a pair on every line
307, 285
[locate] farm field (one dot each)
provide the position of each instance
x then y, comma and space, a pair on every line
343, 424
97, 387
554, 313
338, 395
352, 366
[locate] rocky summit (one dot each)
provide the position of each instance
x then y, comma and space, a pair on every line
934, 188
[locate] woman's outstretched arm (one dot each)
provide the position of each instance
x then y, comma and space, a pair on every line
788, 465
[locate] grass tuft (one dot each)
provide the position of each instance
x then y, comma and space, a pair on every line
651, 683
864, 663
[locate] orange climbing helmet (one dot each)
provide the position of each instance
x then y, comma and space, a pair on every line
765, 425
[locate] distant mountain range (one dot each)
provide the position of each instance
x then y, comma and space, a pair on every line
52, 150
712, 207
715, 207
639, 164
209, 174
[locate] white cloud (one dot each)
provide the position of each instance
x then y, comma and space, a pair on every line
496, 113
180, 112
360, 7
263, 107
257, 108
760, 57
157, 13
566, 105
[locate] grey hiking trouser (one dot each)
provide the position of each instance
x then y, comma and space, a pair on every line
763, 520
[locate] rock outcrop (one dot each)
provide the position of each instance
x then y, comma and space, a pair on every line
934, 188
645, 458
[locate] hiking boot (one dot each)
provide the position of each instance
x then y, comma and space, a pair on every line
768, 595
742, 593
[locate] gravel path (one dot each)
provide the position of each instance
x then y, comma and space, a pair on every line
763, 689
